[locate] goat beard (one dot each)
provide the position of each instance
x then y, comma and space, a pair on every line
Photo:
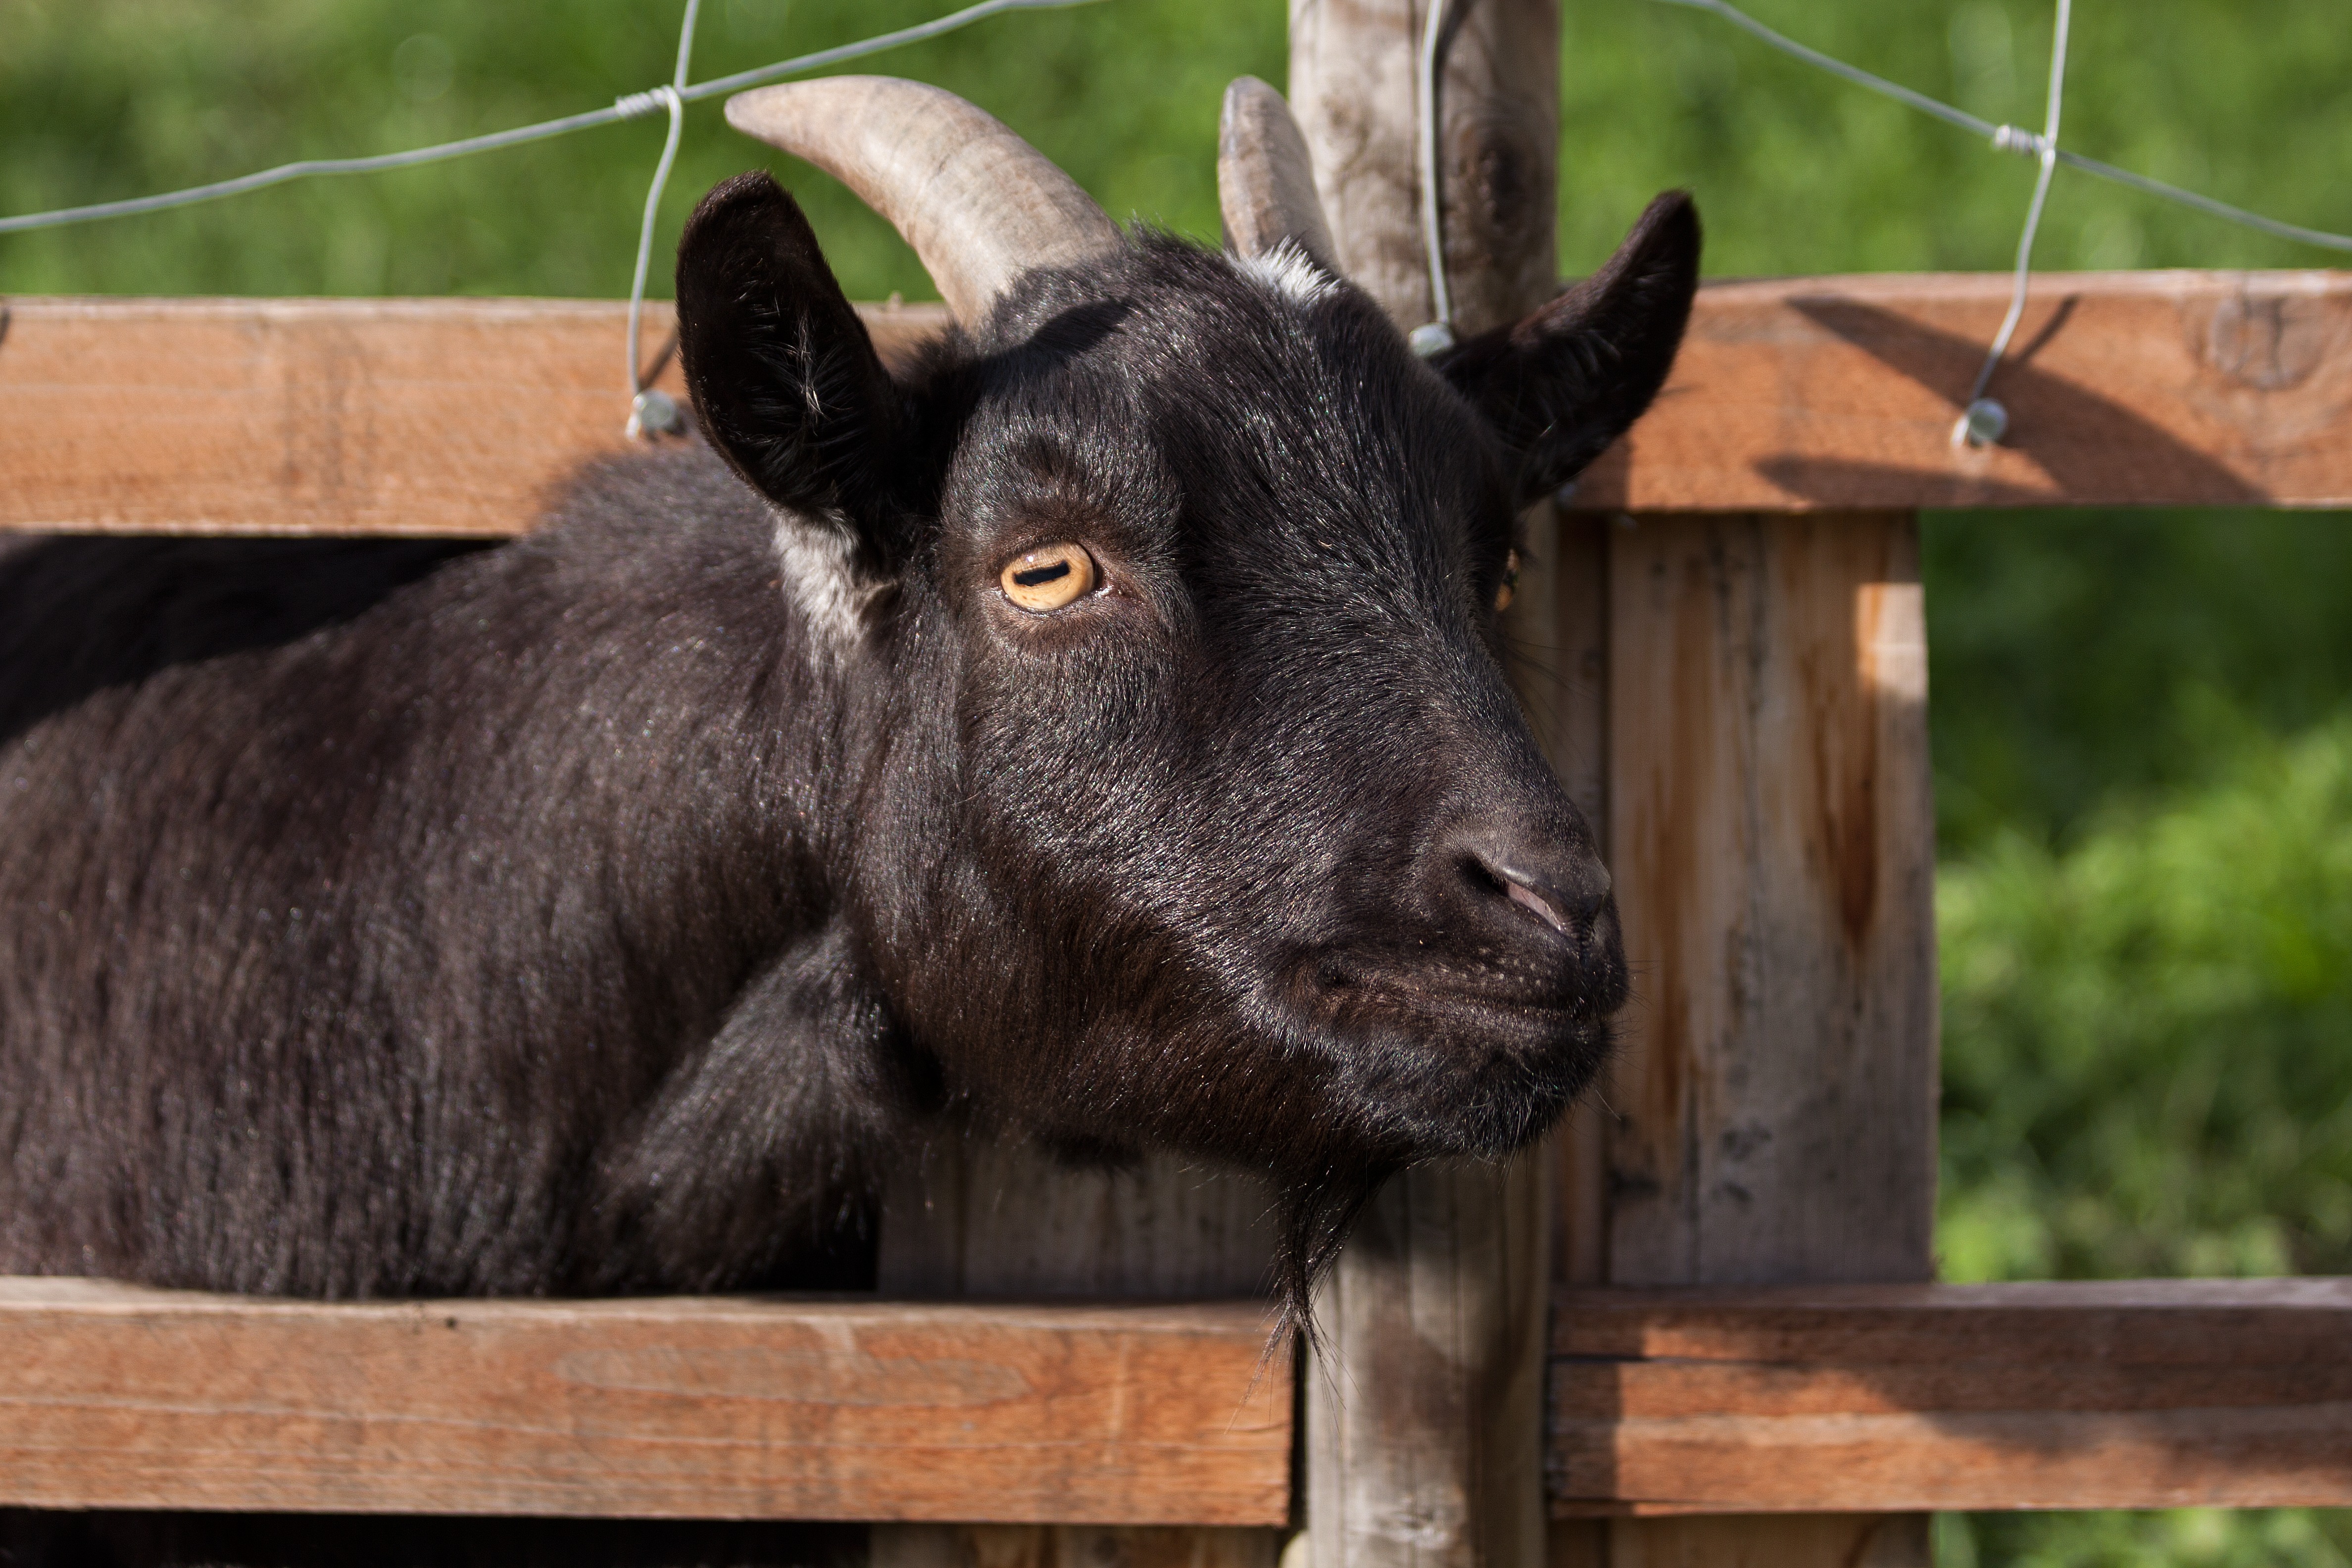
1316, 1216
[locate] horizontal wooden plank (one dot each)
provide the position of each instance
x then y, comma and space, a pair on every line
293, 416
2123, 389
115, 1396
2146, 1394
454, 416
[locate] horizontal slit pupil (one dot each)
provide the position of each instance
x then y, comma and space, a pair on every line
1037, 574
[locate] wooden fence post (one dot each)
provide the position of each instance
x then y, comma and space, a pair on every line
982, 1217
1424, 1425
1772, 1117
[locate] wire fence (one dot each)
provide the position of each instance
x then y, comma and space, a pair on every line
1983, 421
2011, 138
628, 106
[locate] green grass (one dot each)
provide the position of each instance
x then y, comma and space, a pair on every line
2143, 722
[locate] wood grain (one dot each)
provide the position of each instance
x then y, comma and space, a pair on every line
112, 1396
1424, 1434
1773, 845
1353, 87
1771, 1117
290, 416
2150, 1394
2125, 389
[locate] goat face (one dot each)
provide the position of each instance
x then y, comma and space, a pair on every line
1191, 805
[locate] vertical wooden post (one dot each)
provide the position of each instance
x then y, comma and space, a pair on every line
974, 1216
1772, 1117
980, 1216
1423, 1427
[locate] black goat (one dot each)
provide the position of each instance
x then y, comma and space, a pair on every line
1102, 726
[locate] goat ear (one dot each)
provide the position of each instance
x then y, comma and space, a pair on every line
1563, 382
785, 382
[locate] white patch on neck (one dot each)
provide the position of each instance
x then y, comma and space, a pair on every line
1289, 271
819, 574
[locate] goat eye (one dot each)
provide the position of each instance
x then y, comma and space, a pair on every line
1510, 583
1048, 579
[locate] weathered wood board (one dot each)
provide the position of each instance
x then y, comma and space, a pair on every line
115, 1396
2140, 1394
2123, 389
456, 417
398, 417
1772, 837
968, 1215
1771, 1116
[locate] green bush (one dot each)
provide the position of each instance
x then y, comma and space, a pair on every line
2081, 659
2147, 1068
2178, 1538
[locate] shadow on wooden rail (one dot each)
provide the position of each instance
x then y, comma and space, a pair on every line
2137, 1394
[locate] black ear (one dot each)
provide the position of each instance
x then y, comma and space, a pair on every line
1566, 381
785, 382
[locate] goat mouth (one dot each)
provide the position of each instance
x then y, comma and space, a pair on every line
1476, 1013
1450, 1005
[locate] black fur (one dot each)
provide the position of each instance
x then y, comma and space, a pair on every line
594, 913
1560, 385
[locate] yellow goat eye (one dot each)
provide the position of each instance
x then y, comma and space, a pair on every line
1050, 578
1510, 583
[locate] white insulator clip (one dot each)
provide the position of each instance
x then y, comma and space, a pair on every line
1983, 424
653, 413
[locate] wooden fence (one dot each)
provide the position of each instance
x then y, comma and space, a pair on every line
1745, 1361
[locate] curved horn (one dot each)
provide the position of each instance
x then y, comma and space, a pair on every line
980, 205
1265, 179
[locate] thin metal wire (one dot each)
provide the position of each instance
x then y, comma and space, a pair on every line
653, 410
1438, 335
630, 106
2010, 139
283, 173
1983, 421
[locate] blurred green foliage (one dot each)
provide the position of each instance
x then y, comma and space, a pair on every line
2152, 1071
1796, 173
2143, 723
2080, 660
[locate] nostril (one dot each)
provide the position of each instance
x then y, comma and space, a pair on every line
1532, 875
1527, 898
1567, 904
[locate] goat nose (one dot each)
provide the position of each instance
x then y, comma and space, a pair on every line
1517, 872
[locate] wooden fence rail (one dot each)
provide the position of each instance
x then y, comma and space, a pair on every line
456, 417
115, 1397
1864, 1398
2137, 1394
